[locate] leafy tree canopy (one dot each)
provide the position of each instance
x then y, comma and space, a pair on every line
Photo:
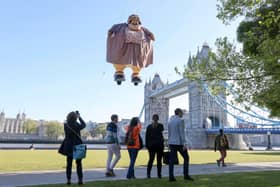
254, 71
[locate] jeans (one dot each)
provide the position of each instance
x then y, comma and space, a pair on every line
184, 154
113, 149
132, 155
69, 168
152, 152
223, 153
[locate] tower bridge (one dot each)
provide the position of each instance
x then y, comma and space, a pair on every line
205, 115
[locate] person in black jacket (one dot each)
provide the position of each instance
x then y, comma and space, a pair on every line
155, 145
73, 137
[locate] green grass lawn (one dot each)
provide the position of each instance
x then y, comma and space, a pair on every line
30, 160
254, 179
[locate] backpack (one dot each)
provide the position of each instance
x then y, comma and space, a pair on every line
223, 141
129, 139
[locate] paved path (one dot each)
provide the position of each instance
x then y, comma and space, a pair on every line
55, 177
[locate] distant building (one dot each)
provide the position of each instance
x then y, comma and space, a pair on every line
12, 125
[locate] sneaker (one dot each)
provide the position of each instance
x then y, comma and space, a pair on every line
224, 165
218, 163
108, 174
188, 178
112, 173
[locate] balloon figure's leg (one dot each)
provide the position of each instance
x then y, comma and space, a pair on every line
136, 79
119, 77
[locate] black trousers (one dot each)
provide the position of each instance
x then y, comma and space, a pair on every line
155, 150
79, 169
184, 154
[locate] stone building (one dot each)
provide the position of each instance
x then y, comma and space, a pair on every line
12, 125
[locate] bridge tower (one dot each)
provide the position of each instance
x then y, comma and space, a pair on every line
155, 105
203, 111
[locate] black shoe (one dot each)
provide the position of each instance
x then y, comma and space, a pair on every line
148, 176
68, 182
172, 179
218, 163
119, 78
136, 80
109, 174
188, 178
224, 165
159, 176
112, 173
80, 183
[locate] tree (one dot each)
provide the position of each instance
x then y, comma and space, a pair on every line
254, 71
54, 129
100, 129
30, 126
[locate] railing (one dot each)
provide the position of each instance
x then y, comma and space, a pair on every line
245, 131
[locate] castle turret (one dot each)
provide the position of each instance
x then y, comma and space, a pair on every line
204, 111
159, 105
2, 121
21, 125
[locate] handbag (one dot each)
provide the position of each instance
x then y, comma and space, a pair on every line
129, 139
79, 151
61, 149
166, 155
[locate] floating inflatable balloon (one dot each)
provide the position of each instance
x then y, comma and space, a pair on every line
129, 45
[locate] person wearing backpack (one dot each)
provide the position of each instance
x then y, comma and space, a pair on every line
133, 144
221, 144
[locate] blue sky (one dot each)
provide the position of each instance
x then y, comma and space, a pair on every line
53, 53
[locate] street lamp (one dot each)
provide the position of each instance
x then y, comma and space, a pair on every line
269, 147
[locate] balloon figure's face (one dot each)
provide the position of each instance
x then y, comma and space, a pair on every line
134, 23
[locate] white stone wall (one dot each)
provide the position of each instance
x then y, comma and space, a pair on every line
11, 125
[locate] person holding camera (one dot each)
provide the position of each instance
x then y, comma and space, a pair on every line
72, 130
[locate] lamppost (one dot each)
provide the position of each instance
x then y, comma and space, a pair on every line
269, 147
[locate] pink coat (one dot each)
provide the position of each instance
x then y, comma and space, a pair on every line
121, 52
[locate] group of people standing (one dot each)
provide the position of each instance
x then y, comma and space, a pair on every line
154, 143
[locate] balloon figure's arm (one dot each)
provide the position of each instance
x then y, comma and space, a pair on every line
149, 33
